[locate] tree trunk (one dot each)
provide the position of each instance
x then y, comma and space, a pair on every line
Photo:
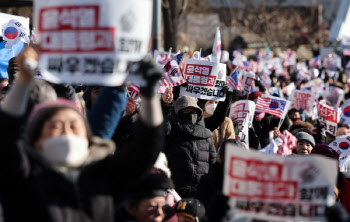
171, 21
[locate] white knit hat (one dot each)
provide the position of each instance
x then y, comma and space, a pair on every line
162, 164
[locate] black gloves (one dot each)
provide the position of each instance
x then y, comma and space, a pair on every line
151, 74
226, 89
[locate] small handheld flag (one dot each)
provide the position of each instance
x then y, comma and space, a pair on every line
13, 32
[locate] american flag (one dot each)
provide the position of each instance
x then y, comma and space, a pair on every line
173, 75
135, 90
233, 80
273, 105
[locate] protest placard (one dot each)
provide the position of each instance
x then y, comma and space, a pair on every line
91, 41
204, 80
334, 95
242, 115
272, 188
248, 80
328, 117
302, 100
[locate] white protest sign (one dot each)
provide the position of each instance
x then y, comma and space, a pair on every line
328, 116
91, 41
5, 18
248, 80
333, 95
242, 115
273, 188
204, 80
302, 100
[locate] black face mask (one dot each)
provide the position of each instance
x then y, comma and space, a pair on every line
190, 118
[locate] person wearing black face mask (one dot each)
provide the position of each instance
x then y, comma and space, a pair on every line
189, 146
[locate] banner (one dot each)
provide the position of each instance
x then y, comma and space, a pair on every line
302, 100
242, 115
248, 80
204, 80
273, 188
328, 117
90, 42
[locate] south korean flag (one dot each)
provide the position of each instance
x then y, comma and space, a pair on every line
13, 32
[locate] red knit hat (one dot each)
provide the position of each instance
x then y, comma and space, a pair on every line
255, 94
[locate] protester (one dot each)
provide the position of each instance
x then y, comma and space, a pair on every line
190, 210
60, 172
146, 203
189, 146
305, 143
225, 131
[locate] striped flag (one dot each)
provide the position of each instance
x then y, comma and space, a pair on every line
216, 54
289, 142
233, 80
135, 90
273, 105
173, 75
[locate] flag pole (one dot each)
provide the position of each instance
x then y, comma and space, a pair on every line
280, 123
13, 53
200, 52
169, 54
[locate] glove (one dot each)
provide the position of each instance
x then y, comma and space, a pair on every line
184, 85
151, 74
226, 89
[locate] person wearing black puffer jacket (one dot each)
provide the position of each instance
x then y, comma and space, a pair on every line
189, 146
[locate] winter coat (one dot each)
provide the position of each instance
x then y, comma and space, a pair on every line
31, 189
190, 151
210, 184
224, 132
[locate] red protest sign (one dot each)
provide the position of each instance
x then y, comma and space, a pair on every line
199, 75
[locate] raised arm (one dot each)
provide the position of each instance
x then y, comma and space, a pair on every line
138, 156
219, 114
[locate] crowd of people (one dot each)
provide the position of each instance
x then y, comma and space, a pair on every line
93, 153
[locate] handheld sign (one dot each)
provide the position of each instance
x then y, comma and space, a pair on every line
302, 100
90, 41
204, 80
273, 188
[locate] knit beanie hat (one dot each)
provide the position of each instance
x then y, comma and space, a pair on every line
302, 136
43, 112
191, 208
150, 185
255, 94
162, 164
